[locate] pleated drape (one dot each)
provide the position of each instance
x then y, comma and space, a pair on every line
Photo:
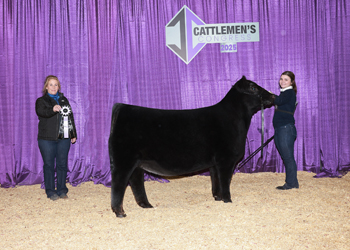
112, 51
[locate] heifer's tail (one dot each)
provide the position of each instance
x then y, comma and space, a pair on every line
115, 113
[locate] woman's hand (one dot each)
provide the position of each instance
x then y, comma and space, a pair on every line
73, 140
56, 108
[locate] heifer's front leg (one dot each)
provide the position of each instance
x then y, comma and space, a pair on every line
137, 184
225, 176
215, 187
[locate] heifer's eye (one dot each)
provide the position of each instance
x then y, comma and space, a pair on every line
252, 88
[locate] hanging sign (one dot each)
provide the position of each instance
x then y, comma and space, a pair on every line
186, 34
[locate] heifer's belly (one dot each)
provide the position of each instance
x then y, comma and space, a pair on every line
164, 169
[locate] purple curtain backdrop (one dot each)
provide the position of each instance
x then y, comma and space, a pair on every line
114, 51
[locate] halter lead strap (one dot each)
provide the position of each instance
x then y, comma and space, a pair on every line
262, 126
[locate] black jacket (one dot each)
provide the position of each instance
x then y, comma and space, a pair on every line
50, 121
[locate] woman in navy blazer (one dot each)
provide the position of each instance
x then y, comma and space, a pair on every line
284, 125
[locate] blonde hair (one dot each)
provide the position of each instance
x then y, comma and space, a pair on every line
48, 78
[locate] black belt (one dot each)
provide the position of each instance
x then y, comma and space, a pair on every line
284, 111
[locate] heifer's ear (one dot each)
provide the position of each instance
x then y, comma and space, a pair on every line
243, 78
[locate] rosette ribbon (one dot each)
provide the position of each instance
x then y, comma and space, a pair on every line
65, 112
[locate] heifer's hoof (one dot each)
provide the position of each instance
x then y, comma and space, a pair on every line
145, 205
120, 215
227, 200
119, 212
217, 198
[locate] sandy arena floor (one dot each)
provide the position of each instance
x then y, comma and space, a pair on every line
185, 216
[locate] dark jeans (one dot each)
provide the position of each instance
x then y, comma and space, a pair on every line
51, 151
284, 140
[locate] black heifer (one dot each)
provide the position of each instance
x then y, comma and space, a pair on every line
179, 142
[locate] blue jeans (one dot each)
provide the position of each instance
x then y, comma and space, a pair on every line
51, 150
284, 140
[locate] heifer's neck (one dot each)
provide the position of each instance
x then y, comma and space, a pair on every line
238, 105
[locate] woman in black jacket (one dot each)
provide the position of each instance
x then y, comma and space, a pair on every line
56, 131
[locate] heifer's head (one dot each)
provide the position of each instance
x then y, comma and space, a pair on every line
253, 95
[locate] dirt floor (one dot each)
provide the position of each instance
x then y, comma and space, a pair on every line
185, 216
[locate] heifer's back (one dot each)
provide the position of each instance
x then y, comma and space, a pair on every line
177, 142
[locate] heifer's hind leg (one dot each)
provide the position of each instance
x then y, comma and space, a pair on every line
118, 187
138, 188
